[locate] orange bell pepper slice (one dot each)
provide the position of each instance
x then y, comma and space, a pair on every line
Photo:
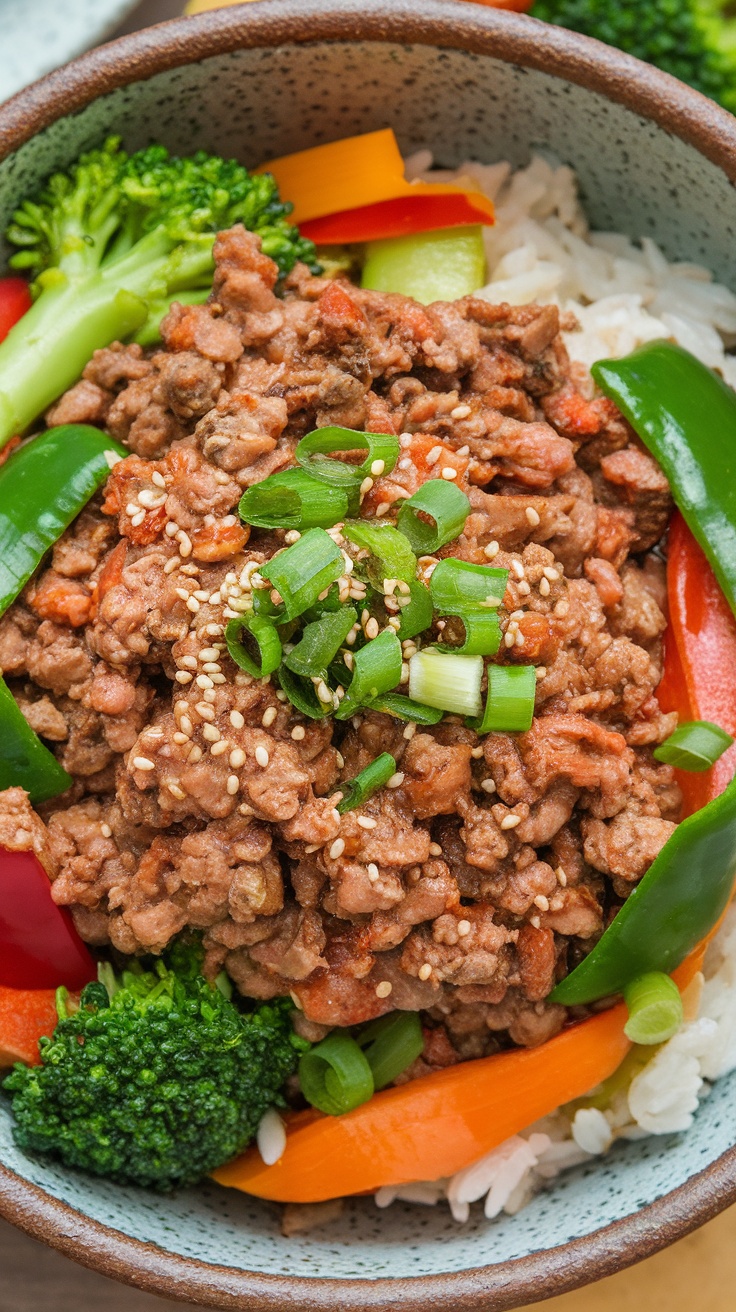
358, 184
26, 1015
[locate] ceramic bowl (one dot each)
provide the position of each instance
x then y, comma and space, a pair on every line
38, 39
653, 158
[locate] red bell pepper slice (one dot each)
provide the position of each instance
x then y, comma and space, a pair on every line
398, 217
39, 946
700, 657
15, 299
26, 1015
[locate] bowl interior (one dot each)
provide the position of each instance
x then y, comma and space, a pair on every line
635, 177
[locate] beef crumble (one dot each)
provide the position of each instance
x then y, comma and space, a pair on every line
487, 867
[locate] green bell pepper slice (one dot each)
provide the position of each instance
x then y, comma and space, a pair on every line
43, 487
24, 761
442, 265
680, 898
686, 416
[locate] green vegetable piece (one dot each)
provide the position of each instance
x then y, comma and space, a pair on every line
24, 761
335, 1076
365, 784
391, 1044
442, 265
415, 612
456, 586
320, 642
314, 454
403, 708
110, 241
43, 487
476, 633
655, 1008
304, 570
376, 669
695, 745
302, 696
678, 901
292, 499
254, 644
156, 1081
446, 680
686, 416
433, 516
510, 701
391, 555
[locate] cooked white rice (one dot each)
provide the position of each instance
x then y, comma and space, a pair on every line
622, 294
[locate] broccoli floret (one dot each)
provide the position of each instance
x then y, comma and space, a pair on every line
694, 40
110, 243
157, 1079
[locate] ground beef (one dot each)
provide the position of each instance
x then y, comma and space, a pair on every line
203, 799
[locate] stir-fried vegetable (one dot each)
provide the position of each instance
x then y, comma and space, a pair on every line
695, 745
39, 946
442, 265
24, 761
655, 1008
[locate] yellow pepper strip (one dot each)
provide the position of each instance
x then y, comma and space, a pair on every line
354, 172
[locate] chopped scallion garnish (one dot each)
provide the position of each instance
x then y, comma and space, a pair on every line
433, 516
254, 645
510, 701
403, 708
391, 555
655, 1008
320, 642
416, 614
314, 453
376, 669
365, 784
293, 500
695, 745
474, 633
335, 1075
391, 1044
302, 695
457, 585
305, 570
446, 680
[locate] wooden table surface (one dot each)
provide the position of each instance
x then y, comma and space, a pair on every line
698, 1273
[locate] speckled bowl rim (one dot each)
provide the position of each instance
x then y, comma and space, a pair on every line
683, 113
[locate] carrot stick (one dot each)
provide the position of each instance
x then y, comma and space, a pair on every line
25, 1016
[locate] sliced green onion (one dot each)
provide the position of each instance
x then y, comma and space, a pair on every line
335, 1075
391, 1044
320, 643
263, 605
433, 516
314, 451
302, 696
376, 669
655, 1008
305, 570
392, 557
456, 586
510, 701
365, 784
403, 708
416, 615
476, 633
291, 499
446, 680
254, 645
696, 745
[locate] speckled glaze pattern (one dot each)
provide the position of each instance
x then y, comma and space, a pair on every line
653, 158
38, 36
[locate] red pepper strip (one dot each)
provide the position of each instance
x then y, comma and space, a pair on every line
15, 299
39, 946
398, 217
700, 657
26, 1015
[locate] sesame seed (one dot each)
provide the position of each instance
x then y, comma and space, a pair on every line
195, 754
190, 570
562, 607
237, 758
212, 667
541, 671
435, 849
201, 594
509, 638
182, 676
533, 516
205, 710
463, 928
491, 549
377, 468
460, 412
236, 720
550, 573
298, 733
488, 785
172, 529
182, 594
544, 588
542, 902
268, 717
213, 630
434, 455
143, 763
396, 780
193, 605
535, 921
373, 872
132, 508
561, 877
106, 831
510, 821
410, 729
185, 544
520, 639
211, 733
384, 988
181, 738
203, 681
323, 693
476, 753
262, 757
366, 486
523, 588
382, 509
171, 565
292, 536
209, 695
449, 473
371, 628
232, 785
337, 849
425, 971
366, 821
158, 479
517, 569
176, 792
219, 748
208, 654
189, 662
150, 499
